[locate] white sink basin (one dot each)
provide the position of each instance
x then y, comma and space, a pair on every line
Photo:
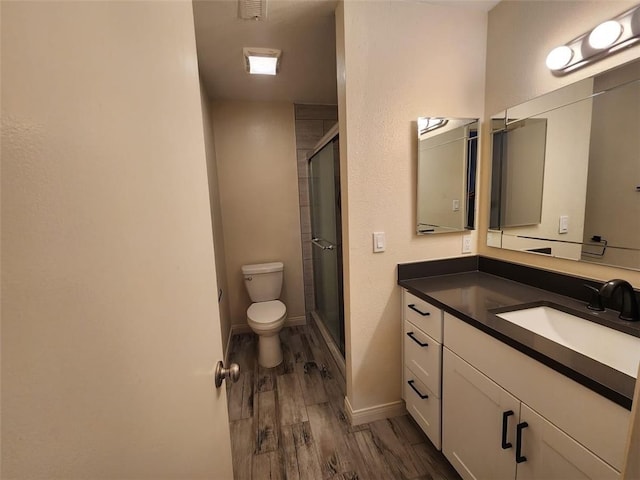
611, 347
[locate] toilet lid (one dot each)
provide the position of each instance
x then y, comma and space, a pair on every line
266, 312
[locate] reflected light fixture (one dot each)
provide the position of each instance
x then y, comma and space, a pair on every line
427, 124
611, 36
261, 61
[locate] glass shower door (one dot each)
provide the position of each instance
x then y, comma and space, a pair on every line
324, 176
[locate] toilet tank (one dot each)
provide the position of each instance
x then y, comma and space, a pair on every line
263, 280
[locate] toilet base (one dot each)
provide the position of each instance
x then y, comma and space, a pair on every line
269, 350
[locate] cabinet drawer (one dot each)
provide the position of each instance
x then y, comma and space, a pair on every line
423, 315
423, 355
425, 411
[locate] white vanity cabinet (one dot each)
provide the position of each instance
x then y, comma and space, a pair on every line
507, 416
422, 358
490, 434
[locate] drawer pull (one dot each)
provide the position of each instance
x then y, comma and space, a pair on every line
519, 457
410, 382
505, 421
413, 307
410, 335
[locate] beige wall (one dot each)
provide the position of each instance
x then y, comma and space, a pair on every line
257, 173
109, 327
519, 37
216, 220
396, 61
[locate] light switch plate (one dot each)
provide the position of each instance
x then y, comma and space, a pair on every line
563, 224
379, 242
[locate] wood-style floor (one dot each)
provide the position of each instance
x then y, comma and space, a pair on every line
289, 422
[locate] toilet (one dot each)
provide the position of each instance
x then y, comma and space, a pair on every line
266, 314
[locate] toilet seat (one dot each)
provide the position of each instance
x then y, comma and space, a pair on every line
266, 313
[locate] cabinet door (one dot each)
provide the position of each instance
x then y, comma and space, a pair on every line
478, 422
548, 453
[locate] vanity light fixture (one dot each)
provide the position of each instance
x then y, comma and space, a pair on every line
261, 61
611, 36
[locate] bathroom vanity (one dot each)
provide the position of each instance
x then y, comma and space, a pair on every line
500, 400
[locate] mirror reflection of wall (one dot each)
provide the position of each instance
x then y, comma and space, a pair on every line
518, 201
590, 201
612, 212
447, 152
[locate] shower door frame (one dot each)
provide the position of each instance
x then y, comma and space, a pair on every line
320, 245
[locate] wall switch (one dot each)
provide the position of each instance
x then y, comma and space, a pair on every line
456, 205
563, 224
466, 244
379, 242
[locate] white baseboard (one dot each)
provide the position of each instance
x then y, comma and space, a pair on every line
295, 321
239, 328
372, 414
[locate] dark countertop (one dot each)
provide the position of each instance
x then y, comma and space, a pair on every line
473, 297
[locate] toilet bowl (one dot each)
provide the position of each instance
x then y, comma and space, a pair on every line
266, 319
266, 315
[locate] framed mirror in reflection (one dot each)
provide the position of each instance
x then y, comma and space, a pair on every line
565, 177
447, 160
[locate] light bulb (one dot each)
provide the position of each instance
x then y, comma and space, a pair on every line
559, 57
605, 35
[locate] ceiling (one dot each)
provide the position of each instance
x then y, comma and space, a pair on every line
303, 29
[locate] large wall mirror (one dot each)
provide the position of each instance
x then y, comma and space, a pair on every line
565, 179
447, 159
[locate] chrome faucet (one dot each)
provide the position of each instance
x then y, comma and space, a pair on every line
629, 307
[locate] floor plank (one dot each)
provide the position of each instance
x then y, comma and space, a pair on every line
266, 435
288, 446
311, 383
308, 463
376, 466
290, 400
396, 451
328, 439
405, 427
241, 447
439, 468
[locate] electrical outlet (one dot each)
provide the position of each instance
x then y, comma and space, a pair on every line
466, 244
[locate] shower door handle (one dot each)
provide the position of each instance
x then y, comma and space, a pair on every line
316, 242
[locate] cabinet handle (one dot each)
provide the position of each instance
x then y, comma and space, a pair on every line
410, 335
413, 307
410, 382
505, 422
519, 457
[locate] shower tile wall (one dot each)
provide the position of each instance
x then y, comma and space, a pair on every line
312, 122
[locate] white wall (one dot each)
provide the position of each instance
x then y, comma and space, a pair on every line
216, 220
519, 37
396, 61
109, 326
258, 179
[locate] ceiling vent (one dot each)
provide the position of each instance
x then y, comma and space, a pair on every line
252, 9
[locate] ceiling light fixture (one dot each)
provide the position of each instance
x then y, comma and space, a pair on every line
611, 36
261, 61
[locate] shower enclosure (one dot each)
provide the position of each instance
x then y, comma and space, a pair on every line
326, 232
